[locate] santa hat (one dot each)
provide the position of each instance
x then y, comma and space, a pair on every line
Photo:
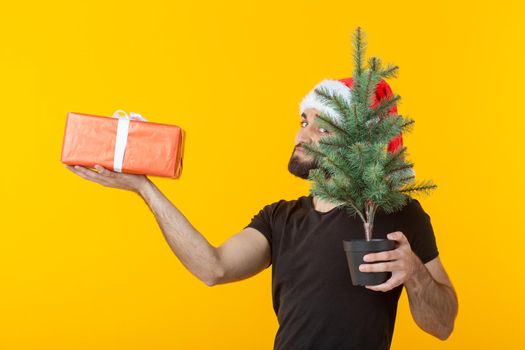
343, 87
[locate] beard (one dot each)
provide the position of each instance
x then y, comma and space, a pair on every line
300, 166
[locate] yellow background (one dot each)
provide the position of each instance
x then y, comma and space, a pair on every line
83, 266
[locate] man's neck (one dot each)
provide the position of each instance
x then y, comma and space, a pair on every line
321, 205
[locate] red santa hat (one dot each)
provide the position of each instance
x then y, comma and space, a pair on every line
343, 87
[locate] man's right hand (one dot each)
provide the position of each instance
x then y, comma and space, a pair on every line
108, 178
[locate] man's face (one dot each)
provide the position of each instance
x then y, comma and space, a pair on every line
300, 164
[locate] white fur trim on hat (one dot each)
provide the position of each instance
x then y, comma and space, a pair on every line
311, 100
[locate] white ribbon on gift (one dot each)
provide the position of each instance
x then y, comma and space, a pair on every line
122, 136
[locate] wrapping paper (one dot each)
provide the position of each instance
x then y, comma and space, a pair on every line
151, 148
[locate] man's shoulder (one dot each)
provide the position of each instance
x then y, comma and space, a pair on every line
412, 215
410, 212
283, 204
412, 205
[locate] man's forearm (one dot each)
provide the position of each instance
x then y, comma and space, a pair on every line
433, 305
192, 249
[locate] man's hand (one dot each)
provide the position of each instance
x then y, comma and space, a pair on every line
108, 178
403, 266
432, 299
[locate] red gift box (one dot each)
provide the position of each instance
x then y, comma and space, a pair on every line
122, 143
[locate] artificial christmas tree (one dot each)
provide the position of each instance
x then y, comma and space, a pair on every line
361, 167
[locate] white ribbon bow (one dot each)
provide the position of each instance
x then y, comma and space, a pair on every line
122, 136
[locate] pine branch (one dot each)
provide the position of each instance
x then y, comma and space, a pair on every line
320, 188
355, 116
338, 103
359, 48
390, 72
424, 186
344, 106
371, 86
408, 178
323, 189
404, 167
334, 144
330, 160
408, 125
383, 106
348, 199
374, 64
395, 160
313, 151
320, 155
357, 147
373, 77
359, 52
396, 155
327, 122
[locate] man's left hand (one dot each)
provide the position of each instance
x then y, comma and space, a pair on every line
403, 265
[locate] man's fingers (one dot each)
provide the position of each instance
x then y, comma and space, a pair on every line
86, 172
380, 287
385, 287
104, 171
89, 174
379, 267
77, 170
382, 256
397, 236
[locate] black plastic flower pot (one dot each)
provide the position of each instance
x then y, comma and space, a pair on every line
355, 251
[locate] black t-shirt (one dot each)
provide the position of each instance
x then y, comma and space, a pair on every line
313, 297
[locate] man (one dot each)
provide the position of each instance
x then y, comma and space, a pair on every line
313, 297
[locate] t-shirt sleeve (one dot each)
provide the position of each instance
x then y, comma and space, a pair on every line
262, 221
420, 233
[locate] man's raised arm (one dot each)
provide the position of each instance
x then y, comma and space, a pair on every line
192, 249
241, 256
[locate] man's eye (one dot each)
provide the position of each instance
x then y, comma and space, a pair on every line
321, 130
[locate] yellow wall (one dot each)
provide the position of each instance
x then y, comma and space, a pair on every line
86, 267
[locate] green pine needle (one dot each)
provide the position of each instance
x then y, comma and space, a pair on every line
359, 52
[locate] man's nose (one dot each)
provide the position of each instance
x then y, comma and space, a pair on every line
305, 135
